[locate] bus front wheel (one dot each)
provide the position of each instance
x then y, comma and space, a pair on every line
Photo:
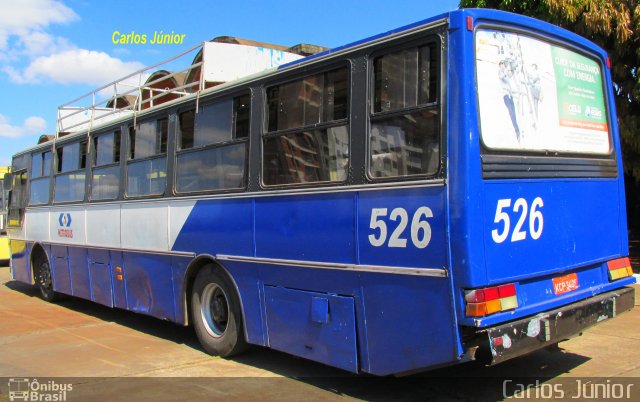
45, 281
216, 315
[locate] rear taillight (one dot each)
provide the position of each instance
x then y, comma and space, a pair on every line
620, 268
481, 302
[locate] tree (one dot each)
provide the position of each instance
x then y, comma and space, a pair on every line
615, 26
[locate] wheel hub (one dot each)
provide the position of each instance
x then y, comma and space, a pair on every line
214, 310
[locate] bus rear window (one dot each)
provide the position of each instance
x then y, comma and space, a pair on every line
534, 96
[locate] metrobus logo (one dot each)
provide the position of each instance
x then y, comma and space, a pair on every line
64, 221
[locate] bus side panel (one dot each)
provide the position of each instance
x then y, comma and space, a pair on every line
178, 269
119, 288
100, 271
403, 322
312, 325
217, 227
245, 276
403, 228
79, 269
60, 269
406, 228
20, 269
316, 228
309, 282
149, 284
409, 322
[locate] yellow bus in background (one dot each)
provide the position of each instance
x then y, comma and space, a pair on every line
4, 200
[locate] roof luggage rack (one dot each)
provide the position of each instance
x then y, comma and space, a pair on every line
211, 63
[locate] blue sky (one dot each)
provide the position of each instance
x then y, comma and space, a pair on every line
53, 51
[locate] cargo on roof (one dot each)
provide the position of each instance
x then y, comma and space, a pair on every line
221, 60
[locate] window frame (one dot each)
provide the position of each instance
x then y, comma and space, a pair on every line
346, 63
41, 177
20, 168
165, 114
523, 153
438, 41
18, 172
247, 140
93, 159
82, 139
551, 164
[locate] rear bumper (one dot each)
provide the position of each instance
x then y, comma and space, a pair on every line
505, 341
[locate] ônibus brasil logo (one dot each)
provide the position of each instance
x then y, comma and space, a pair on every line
64, 229
25, 389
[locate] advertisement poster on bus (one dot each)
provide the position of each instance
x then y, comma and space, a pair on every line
535, 96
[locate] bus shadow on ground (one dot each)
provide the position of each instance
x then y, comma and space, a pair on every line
136, 321
468, 381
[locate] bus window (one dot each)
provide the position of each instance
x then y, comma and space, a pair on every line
17, 199
70, 177
213, 146
405, 125
147, 165
187, 125
306, 153
40, 172
105, 173
537, 97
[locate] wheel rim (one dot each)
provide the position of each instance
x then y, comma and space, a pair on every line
45, 276
214, 310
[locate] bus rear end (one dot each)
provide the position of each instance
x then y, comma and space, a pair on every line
552, 257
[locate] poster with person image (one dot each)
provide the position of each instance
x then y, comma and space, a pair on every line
535, 96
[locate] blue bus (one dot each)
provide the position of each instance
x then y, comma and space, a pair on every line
448, 191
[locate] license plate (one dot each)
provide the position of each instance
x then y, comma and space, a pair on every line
565, 284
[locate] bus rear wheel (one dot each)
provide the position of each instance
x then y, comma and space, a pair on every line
216, 315
45, 281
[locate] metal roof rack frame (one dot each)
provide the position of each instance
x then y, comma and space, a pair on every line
223, 59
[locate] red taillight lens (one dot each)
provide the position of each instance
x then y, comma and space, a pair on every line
474, 296
507, 290
481, 302
491, 294
619, 268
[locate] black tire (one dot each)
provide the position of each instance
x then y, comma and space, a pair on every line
44, 280
216, 315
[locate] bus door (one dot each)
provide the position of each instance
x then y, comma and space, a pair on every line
17, 198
